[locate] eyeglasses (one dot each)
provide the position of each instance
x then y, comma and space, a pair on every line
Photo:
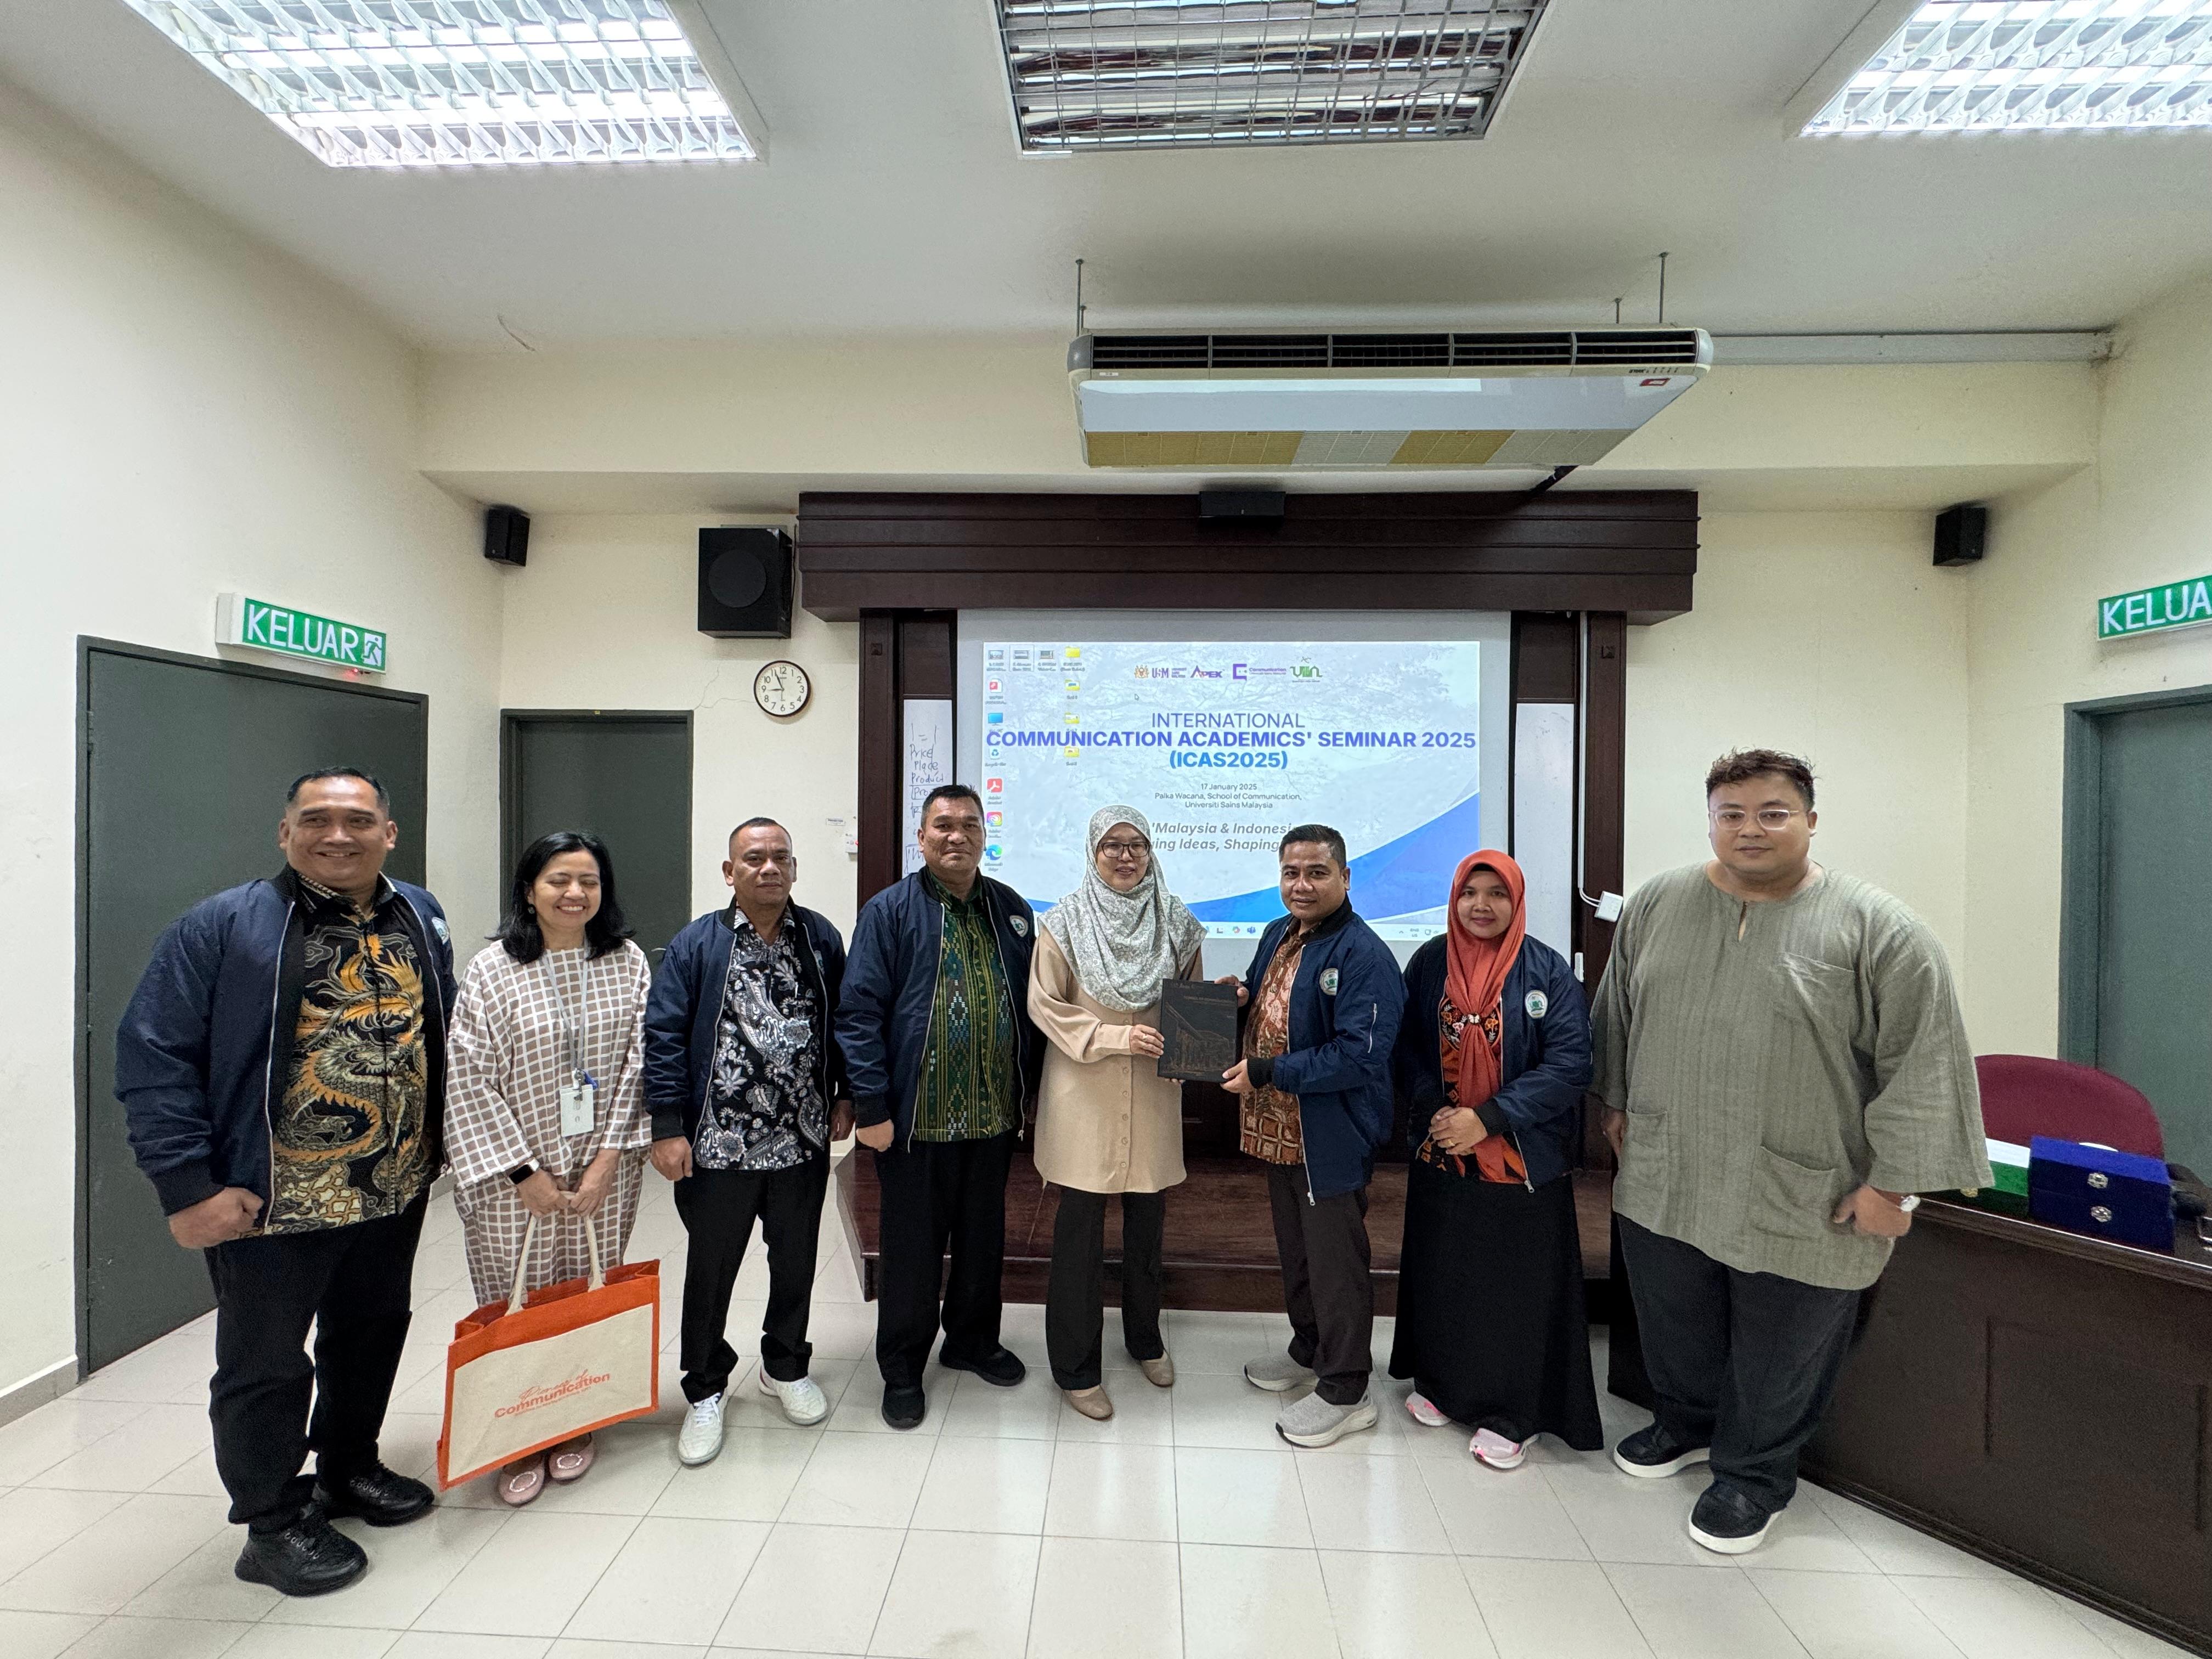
1125, 849
1770, 818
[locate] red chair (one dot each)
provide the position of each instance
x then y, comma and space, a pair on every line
2023, 1096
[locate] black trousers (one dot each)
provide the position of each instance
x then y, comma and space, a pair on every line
1326, 1287
352, 1285
936, 1192
1743, 1363
1075, 1299
719, 1207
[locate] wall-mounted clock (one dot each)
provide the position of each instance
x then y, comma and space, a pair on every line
781, 689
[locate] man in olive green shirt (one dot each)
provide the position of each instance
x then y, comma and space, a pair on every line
1785, 1068
933, 1022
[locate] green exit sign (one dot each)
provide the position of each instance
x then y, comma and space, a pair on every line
2153, 610
264, 626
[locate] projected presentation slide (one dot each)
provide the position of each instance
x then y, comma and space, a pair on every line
1224, 746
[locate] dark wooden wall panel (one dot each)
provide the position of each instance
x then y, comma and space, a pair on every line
1630, 551
880, 757
1604, 786
904, 654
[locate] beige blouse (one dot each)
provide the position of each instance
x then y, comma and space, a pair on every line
1107, 1122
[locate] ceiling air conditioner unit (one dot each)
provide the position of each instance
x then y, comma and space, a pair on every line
1294, 402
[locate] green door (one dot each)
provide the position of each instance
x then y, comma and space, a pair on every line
184, 771
625, 778
2154, 984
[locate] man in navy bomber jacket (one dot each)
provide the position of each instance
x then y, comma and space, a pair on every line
1315, 1083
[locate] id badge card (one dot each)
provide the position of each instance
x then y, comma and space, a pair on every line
579, 1106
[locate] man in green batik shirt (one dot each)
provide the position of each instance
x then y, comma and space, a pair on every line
1783, 1065
934, 1024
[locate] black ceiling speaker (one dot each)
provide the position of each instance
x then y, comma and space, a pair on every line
507, 536
1960, 533
744, 584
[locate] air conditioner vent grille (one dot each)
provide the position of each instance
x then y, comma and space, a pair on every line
1593, 349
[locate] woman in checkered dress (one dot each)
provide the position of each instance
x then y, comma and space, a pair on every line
556, 1005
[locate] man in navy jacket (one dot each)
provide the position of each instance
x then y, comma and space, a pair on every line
944, 1062
746, 1087
282, 1068
1315, 1082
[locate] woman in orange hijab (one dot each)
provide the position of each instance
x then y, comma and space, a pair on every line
1491, 1060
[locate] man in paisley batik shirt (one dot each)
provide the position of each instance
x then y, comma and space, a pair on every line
746, 1086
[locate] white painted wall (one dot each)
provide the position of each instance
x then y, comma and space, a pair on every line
182, 412
605, 615
1833, 636
2144, 516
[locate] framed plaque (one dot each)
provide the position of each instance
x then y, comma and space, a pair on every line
1198, 1023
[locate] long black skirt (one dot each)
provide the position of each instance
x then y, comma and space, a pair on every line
1491, 1323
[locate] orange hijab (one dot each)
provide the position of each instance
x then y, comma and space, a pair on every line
1474, 980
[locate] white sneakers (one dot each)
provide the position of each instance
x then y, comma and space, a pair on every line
701, 1438
803, 1400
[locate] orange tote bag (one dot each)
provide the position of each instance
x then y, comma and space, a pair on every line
525, 1374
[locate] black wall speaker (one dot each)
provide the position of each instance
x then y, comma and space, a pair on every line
507, 536
1960, 533
744, 584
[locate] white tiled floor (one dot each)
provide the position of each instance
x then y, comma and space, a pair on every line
1007, 1526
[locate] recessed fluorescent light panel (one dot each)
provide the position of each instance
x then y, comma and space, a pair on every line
1093, 75
2033, 65
437, 84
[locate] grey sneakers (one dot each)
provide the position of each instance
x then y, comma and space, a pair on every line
1311, 1420
1278, 1374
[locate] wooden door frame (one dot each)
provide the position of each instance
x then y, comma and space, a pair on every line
511, 722
88, 645
2081, 860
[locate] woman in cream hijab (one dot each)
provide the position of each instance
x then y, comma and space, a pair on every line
1107, 1122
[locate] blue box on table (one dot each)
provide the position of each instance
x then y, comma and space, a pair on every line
2123, 1196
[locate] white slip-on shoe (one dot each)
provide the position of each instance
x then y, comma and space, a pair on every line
701, 1438
802, 1399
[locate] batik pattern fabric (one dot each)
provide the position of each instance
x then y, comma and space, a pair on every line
519, 1030
349, 1142
967, 1070
1268, 1124
764, 1109
1455, 1027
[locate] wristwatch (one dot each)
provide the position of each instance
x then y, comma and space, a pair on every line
1909, 1203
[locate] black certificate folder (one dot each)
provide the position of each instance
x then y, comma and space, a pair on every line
1198, 1022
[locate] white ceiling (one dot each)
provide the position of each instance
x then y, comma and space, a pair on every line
895, 199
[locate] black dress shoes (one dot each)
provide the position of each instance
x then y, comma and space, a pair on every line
999, 1368
374, 1494
309, 1558
903, 1407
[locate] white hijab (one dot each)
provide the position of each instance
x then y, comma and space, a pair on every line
1123, 944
